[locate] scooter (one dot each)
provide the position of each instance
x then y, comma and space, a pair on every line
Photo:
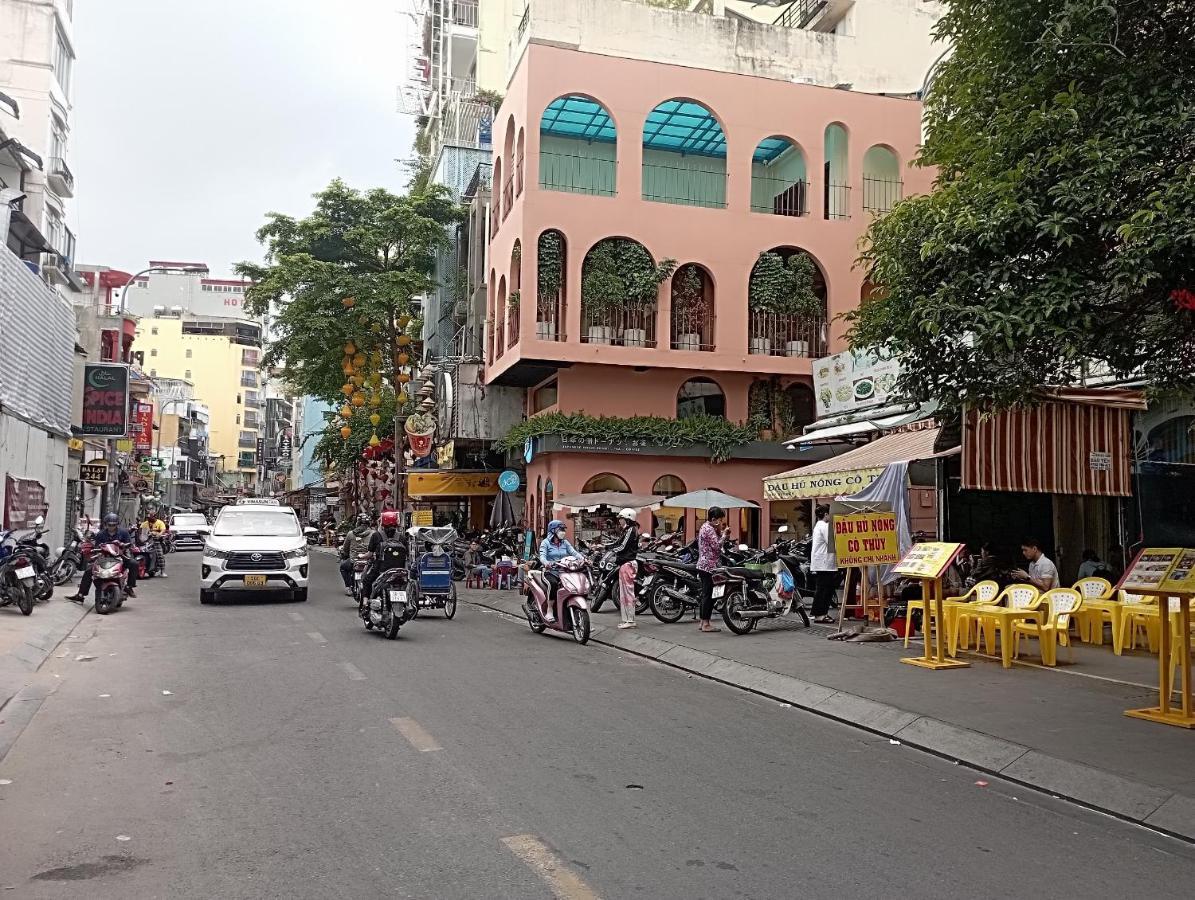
389, 604
360, 564
570, 610
17, 575
606, 587
39, 558
109, 577
754, 594
68, 560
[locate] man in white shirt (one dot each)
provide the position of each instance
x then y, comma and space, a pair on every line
1042, 573
823, 565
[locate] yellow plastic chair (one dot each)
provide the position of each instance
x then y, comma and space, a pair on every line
1097, 608
988, 617
982, 592
1063, 604
1139, 616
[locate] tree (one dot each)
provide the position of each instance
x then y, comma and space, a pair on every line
1061, 233
339, 286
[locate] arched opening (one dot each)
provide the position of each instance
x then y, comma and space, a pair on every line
515, 296
500, 316
606, 481
786, 301
1173, 441
491, 338
667, 519
508, 166
684, 155
550, 260
496, 197
798, 408
700, 397
668, 486
779, 181
520, 149
578, 147
620, 286
882, 187
549, 499
837, 191
693, 308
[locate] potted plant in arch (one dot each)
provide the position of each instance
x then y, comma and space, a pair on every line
549, 281
619, 274
783, 288
688, 299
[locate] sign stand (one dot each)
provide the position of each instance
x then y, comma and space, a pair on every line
926, 563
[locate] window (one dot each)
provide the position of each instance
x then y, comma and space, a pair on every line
250, 420
153, 351
187, 373
251, 399
153, 330
238, 418
238, 398
668, 486
606, 482
153, 372
188, 354
249, 357
545, 397
57, 138
55, 229
246, 460
64, 60
249, 379
700, 397
248, 439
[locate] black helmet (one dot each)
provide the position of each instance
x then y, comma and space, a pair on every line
363, 518
112, 519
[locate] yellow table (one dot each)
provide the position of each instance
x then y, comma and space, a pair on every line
1003, 618
1092, 611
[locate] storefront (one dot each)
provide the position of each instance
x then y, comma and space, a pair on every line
456, 498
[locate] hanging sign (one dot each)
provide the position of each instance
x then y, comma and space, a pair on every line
451, 484
105, 400
509, 481
928, 560
866, 539
94, 472
24, 501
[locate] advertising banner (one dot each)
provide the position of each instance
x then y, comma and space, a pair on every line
828, 484
143, 426
866, 539
452, 484
105, 400
854, 379
24, 501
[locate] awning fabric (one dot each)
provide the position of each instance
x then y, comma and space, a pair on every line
1054, 448
852, 471
612, 499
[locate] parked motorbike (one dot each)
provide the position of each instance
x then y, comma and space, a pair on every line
68, 560
672, 587
38, 554
17, 575
606, 586
754, 594
570, 608
390, 604
109, 577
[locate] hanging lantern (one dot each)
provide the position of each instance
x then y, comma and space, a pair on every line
403, 359
376, 379
404, 340
404, 321
404, 378
375, 400
346, 412
347, 390
373, 440
402, 399
358, 380
345, 432
359, 359
375, 328
350, 348
358, 400
374, 419
348, 302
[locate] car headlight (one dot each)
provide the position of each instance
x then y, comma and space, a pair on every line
301, 553
216, 554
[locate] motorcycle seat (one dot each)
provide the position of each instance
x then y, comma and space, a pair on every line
746, 574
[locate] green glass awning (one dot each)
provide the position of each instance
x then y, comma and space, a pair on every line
580, 118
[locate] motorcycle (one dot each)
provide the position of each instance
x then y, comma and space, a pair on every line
68, 560
571, 605
38, 554
672, 587
360, 565
17, 575
606, 575
755, 594
109, 577
389, 604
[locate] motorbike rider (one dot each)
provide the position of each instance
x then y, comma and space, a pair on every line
388, 531
355, 541
156, 526
110, 532
552, 550
626, 552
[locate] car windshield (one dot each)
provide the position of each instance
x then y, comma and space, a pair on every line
257, 522
195, 519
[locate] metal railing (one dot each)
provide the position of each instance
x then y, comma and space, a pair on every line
577, 174
684, 186
774, 334
59, 169
519, 174
508, 196
880, 194
512, 326
785, 196
521, 31
464, 12
466, 87
800, 13
837, 201
693, 326
628, 326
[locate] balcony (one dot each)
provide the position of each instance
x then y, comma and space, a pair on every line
577, 173
628, 326
802, 13
60, 177
774, 334
880, 194
464, 13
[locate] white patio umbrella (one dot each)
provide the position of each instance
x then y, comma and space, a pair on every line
708, 497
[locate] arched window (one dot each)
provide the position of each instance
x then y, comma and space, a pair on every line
607, 481
619, 289
549, 499
786, 299
514, 298
520, 149
779, 182
668, 486
837, 191
508, 166
693, 308
578, 147
516, 266
798, 408
1173, 441
496, 197
500, 316
700, 397
551, 267
684, 155
882, 187
492, 316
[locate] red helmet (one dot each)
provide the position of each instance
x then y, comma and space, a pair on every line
390, 518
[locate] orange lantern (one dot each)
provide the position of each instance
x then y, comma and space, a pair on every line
374, 419
347, 390
357, 380
350, 348
403, 359
348, 302
359, 359
373, 440
402, 399
404, 340
345, 432
375, 400
404, 321
346, 412
358, 400
404, 378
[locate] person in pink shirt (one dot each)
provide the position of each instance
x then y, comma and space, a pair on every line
709, 555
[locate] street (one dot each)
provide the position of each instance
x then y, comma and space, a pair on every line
276, 749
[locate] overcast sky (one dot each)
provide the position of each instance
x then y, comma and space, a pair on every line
192, 120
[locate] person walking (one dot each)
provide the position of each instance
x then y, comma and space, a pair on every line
709, 555
823, 565
626, 552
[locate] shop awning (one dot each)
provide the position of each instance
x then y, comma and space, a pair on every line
853, 471
452, 484
612, 499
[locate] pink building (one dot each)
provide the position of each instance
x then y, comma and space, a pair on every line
710, 169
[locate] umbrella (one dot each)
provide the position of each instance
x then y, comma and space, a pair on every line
502, 515
607, 498
704, 499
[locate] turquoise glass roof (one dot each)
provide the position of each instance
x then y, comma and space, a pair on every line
678, 126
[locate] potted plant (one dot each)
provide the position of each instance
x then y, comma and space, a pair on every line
688, 300
760, 409
549, 281
783, 288
620, 275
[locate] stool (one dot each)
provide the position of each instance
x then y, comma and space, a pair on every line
503, 577
473, 580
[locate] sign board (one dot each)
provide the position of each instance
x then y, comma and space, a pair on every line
928, 560
24, 501
1161, 570
509, 481
143, 427
94, 472
145, 468
827, 484
421, 518
452, 484
854, 379
284, 446
74, 444
866, 539
124, 446
105, 400
1099, 461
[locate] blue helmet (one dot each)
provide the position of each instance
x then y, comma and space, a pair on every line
554, 526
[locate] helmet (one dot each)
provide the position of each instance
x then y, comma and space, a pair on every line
112, 519
627, 514
362, 518
390, 518
554, 526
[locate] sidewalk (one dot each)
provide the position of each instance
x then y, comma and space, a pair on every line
1061, 730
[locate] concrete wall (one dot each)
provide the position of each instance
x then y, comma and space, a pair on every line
29, 452
196, 295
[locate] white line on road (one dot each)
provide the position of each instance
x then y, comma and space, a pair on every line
317, 637
561, 881
355, 674
415, 735
298, 617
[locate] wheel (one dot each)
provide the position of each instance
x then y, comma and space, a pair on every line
105, 600
599, 598
206, 597
641, 605
732, 614
24, 599
450, 605
534, 622
43, 588
64, 573
390, 624
580, 618
299, 595
801, 612
664, 607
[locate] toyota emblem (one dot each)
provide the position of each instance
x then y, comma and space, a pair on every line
255, 557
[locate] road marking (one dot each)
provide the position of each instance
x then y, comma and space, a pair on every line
415, 735
317, 637
355, 674
298, 617
561, 881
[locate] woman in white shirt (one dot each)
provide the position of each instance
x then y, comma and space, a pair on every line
823, 565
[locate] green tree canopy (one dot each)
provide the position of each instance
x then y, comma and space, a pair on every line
1062, 227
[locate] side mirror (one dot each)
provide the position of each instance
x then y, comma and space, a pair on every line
744, 548
783, 529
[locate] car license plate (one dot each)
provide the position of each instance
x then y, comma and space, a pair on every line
719, 591
398, 597
26, 572
255, 580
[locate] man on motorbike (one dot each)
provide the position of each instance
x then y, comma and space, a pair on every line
552, 550
110, 532
356, 541
387, 532
626, 551
156, 526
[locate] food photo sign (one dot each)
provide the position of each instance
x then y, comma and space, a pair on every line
854, 379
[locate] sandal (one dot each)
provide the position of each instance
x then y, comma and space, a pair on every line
711, 628
824, 620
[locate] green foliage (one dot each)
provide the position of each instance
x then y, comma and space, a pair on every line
340, 454
619, 272
492, 99
688, 293
669, 4
550, 263
721, 436
784, 287
1064, 211
513, 298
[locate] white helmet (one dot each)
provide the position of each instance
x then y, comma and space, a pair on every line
628, 514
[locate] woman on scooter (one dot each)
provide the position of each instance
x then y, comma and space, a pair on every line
626, 551
552, 549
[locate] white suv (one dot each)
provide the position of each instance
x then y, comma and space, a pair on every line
254, 548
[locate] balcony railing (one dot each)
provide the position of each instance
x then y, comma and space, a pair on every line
62, 180
549, 317
838, 201
464, 12
512, 326
773, 334
692, 326
779, 196
519, 174
684, 185
629, 326
577, 174
801, 13
880, 195
508, 196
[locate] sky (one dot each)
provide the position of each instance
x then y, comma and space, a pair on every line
193, 120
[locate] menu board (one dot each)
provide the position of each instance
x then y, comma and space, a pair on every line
1182, 577
928, 560
1161, 570
866, 539
853, 379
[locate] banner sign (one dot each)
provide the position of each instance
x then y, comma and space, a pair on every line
866, 539
928, 560
828, 484
284, 447
95, 472
1161, 571
105, 400
451, 484
143, 427
24, 501
853, 379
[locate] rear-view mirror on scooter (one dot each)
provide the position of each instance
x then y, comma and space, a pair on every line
744, 548
783, 529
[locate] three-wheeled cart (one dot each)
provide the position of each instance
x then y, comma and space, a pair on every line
431, 583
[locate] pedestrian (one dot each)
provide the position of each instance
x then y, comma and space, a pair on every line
1042, 573
823, 565
1094, 567
626, 552
709, 555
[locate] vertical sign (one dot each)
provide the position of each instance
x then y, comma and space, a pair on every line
24, 501
143, 427
105, 400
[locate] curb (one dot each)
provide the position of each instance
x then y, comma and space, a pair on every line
1155, 808
54, 622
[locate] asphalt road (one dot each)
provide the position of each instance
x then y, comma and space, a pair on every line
275, 749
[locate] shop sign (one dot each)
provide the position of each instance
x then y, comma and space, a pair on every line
124, 446
854, 379
24, 501
827, 484
74, 444
143, 427
451, 484
600, 445
509, 481
1099, 461
284, 446
94, 472
105, 400
928, 560
866, 539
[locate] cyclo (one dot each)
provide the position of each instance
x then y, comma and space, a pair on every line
431, 583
